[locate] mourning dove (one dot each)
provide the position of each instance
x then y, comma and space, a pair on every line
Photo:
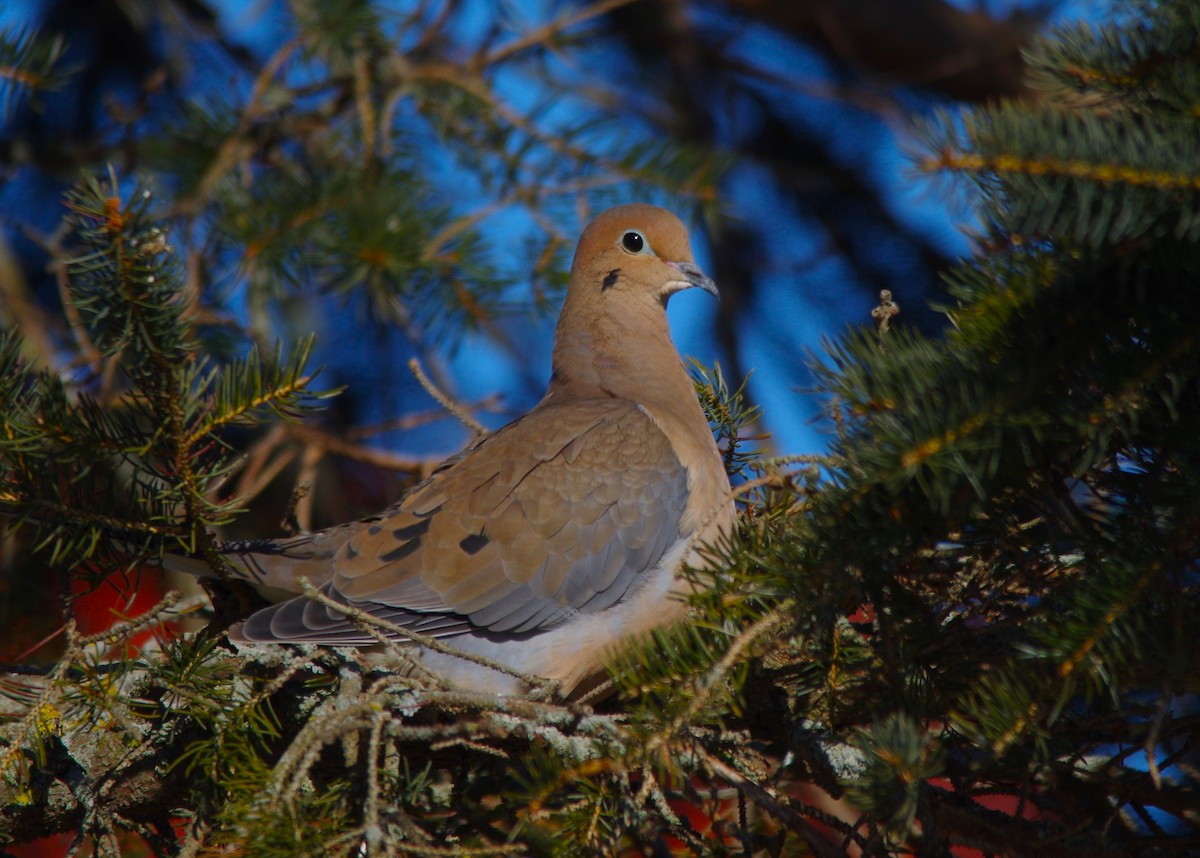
546, 542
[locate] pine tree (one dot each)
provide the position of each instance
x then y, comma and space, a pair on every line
982, 597
1015, 501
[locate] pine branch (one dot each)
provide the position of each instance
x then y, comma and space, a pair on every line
29, 64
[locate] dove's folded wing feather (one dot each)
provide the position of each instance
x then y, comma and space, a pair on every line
554, 515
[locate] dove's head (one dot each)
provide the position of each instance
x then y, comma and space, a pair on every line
613, 334
636, 251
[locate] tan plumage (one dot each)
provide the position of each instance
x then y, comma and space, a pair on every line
552, 538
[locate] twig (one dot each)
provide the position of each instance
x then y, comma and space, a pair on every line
416, 419
542, 34
766, 800
731, 658
361, 453
230, 151
414, 366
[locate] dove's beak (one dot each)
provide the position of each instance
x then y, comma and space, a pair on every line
695, 277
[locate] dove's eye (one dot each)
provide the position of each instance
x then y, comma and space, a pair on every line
633, 241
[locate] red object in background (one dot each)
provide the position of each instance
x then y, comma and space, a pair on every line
865, 613
119, 598
702, 820
33, 623
131, 846
1005, 803
47, 847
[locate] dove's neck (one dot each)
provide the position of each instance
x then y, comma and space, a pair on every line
630, 356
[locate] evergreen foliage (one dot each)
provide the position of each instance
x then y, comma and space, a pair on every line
985, 591
28, 65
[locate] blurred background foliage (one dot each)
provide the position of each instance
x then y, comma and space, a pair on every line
486, 132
